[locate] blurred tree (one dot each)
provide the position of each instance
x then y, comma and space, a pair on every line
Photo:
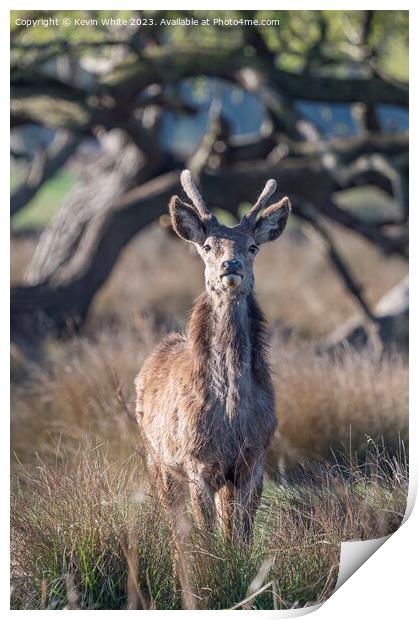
118, 85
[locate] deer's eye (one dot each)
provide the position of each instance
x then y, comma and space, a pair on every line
207, 248
253, 249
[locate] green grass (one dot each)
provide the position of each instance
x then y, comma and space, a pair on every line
86, 519
39, 211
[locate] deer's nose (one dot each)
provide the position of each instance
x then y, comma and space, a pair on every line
232, 266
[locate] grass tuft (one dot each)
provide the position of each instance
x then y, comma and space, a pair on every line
78, 519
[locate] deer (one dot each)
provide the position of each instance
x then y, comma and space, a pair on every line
205, 400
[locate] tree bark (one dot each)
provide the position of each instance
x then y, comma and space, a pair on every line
64, 306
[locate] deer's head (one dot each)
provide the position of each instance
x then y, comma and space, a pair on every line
228, 252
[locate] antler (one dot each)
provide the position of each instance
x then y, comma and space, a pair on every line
268, 190
192, 192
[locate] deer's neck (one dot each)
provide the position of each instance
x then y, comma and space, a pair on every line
228, 340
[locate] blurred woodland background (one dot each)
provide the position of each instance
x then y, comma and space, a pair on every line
103, 119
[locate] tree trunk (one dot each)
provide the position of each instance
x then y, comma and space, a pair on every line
64, 305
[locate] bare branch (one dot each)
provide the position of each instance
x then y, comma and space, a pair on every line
338, 262
44, 166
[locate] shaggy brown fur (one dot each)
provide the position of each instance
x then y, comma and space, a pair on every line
205, 400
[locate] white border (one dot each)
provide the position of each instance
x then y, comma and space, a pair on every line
386, 585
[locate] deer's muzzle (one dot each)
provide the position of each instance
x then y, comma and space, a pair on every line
231, 280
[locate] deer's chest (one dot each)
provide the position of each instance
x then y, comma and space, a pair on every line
230, 382
237, 411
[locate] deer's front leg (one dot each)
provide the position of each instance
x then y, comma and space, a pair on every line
225, 503
171, 490
202, 494
202, 501
247, 496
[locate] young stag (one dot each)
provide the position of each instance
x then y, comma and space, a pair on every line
205, 400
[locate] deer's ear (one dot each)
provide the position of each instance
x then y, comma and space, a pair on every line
272, 221
186, 221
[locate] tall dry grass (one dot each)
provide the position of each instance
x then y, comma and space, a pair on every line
327, 405
324, 405
81, 499
79, 518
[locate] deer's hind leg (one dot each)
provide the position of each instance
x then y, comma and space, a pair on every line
248, 494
